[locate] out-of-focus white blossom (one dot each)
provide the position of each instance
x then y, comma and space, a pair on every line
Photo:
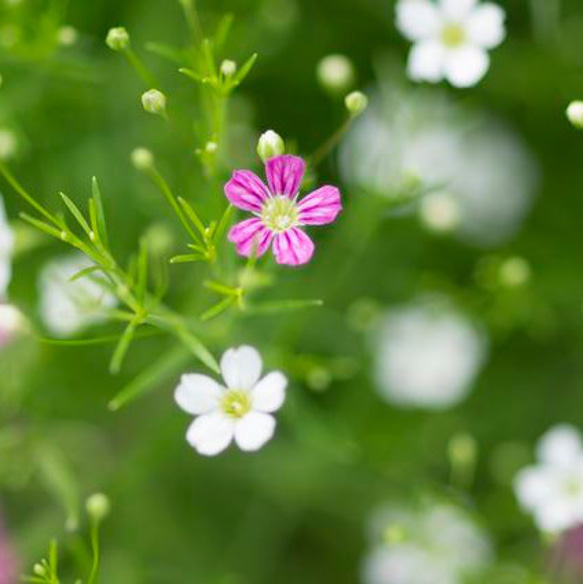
436, 543
6, 248
418, 140
451, 38
12, 322
552, 489
66, 306
335, 73
575, 114
426, 355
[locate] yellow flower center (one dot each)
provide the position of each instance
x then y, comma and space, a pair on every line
453, 35
279, 213
236, 403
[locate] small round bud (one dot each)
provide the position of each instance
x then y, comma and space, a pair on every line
575, 114
142, 158
98, 506
439, 212
514, 272
228, 68
335, 73
118, 39
211, 147
8, 144
356, 102
154, 102
39, 570
67, 36
270, 144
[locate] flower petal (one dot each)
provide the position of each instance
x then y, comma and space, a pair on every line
197, 394
465, 66
241, 367
561, 446
426, 61
320, 207
457, 9
254, 430
285, 174
269, 394
418, 19
211, 433
534, 486
250, 236
246, 191
485, 26
293, 247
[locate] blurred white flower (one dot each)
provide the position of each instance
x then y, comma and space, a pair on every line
6, 249
419, 141
12, 321
335, 73
451, 38
240, 409
426, 355
68, 306
434, 544
552, 490
8, 144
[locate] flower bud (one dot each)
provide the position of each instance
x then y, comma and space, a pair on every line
142, 158
270, 144
335, 73
67, 36
118, 39
575, 114
356, 102
228, 68
211, 147
39, 570
98, 506
154, 102
8, 144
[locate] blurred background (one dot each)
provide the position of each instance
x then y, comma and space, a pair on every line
450, 338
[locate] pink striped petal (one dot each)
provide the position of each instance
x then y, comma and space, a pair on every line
250, 236
293, 247
285, 174
320, 207
246, 191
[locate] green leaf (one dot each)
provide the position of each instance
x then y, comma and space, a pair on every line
186, 258
166, 52
143, 264
221, 288
273, 307
197, 348
84, 272
223, 30
96, 340
100, 214
192, 74
74, 210
218, 308
208, 57
122, 347
244, 70
41, 226
192, 215
224, 223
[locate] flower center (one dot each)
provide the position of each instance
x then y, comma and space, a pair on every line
279, 213
453, 35
236, 403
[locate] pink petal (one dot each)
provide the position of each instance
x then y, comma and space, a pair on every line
246, 191
320, 207
249, 236
293, 247
285, 174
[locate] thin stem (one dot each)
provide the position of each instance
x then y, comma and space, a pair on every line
322, 152
145, 74
95, 552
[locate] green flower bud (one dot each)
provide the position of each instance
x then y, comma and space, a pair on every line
270, 144
67, 36
39, 570
98, 506
228, 68
575, 114
356, 102
118, 39
335, 73
154, 102
142, 158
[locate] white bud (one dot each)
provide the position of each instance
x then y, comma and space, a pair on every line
356, 102
514, 272
142, 158
439, 212
39, 570
270, 144
8, 144
228, 68
211, 147
154, 102
98, 506
575, 114
335, 73
67, 36
118, 39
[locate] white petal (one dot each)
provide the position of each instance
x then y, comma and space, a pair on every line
211, 433
465, 66
269, 394
241, 367
556, 516
534, 486
561, 445
254, 430
197, 394
418, 19
457, 9
485, 26
426, 61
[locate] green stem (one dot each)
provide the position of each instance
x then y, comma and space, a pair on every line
322, 152
145, 74
95, 552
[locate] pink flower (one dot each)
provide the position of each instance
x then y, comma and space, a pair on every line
279, 215
8, 560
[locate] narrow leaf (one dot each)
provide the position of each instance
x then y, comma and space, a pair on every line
223, 30
41, 226
192, 215
245, 69
101, 224
74, 210
186, 258
165, 51
218, 308
282, 306
122, 347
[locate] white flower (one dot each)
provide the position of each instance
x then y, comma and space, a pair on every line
240, 409
451, 38
67, 307
427, 355
552, 490
6, 248
12, 322
423, 546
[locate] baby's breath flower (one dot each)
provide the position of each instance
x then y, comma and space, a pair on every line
118, 39
335, 73
270, 144
98, 506
239, 410
154, 102
67, 36
228, 68
575, 114
356, 102
142, 158
440, 212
